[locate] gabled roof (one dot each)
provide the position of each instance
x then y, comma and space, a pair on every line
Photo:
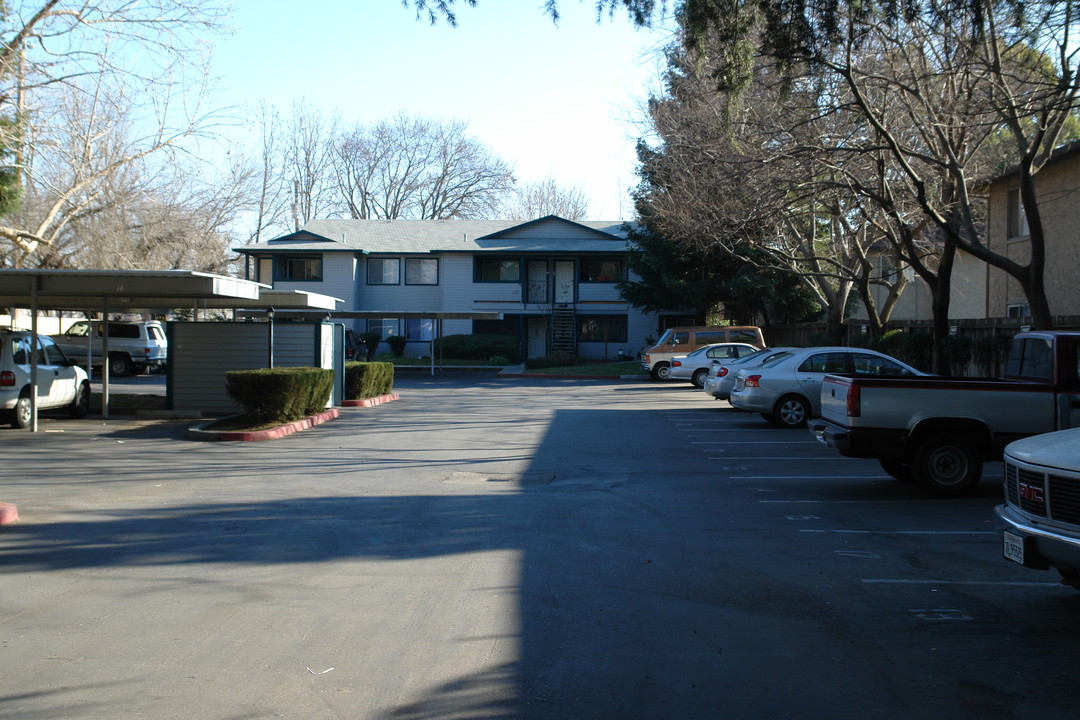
550, 234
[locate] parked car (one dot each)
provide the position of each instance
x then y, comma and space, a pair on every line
656, 359
695, 366
355, 349
60, 381
788, 391
1040, 520
721, 378
134, 347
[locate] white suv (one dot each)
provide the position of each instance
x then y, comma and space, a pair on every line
134, 347
60, 382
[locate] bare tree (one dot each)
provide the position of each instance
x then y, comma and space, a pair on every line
307, 163
419, 168
113, 66
547, 197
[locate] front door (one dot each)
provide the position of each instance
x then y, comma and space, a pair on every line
538, 282
536, 331
564, 281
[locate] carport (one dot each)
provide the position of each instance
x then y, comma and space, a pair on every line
109, 291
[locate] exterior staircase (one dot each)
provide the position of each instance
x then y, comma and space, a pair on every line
563, 330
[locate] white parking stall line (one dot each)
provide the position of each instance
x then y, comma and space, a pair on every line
990, 583
901, 532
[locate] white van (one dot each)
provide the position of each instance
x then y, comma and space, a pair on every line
134, 347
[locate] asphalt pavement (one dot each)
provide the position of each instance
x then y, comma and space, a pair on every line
491, 547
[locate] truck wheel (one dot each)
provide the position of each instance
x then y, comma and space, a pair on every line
660, 371
699, 378
947, 465
792, 411
896, 468
120, 365
81, 404
21, 417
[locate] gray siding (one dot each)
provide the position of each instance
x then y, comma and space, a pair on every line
201, 353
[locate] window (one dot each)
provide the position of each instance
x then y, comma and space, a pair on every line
826, 363
53, 355
383, 271
1017, 219
710, 337
301, 268
384, 326
1017, 311
493, 270
1031, 358
602, 328
509, 325
419, 329
421, 271
875, 365
605, 270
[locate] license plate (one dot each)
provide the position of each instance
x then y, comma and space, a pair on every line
1013, 546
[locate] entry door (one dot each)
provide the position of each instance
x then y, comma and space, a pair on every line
538, 282
537, 337
564, 281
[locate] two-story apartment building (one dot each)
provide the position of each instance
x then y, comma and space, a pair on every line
552, 280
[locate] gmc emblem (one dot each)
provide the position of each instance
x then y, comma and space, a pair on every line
1034, 493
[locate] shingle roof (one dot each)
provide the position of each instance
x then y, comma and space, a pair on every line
427, 236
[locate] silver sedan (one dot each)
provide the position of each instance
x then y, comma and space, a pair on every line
787, 391
695, 366
722, 377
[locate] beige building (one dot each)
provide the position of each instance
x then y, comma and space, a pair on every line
1058, 188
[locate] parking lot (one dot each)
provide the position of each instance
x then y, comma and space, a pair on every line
496, 547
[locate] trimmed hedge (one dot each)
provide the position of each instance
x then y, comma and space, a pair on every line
365, 380
280, 395
478, 347
558, 358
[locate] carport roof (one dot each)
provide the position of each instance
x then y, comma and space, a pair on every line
131, 290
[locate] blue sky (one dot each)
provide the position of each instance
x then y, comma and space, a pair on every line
552, 100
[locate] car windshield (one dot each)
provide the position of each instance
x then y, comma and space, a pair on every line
756, 355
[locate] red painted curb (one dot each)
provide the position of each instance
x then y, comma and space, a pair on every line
371, 402
8, 513
282, 430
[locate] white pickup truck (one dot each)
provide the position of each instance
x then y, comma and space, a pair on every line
939, 431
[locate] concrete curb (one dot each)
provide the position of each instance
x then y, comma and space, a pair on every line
575, 377
371, 402
200, 433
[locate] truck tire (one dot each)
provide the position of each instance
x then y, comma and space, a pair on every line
699, 378
120, 364
896, 468
947, 465
660, 371
791, 411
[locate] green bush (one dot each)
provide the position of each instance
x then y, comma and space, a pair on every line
397, 344
280, 395
477, 347
555, 359
365, 380
371, 339
498, 360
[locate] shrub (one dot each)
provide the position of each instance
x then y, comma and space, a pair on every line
555, 359
498, 360
477, 347
279, 395
368, 379
397, 344
371, 339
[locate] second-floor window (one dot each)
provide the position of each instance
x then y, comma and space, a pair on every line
301, 268
421, 271
601, 270
496, 270
383, 271
1017, 218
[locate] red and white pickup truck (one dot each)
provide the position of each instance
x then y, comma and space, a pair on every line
939, 431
